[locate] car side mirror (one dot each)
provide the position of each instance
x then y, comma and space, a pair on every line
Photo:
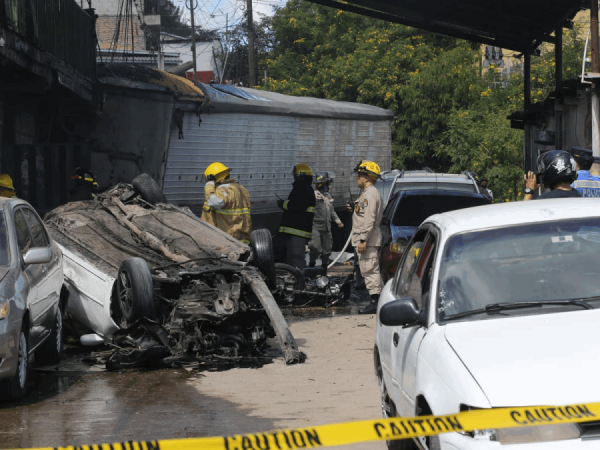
38, 255
401, 312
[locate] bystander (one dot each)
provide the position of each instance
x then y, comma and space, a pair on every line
557, 170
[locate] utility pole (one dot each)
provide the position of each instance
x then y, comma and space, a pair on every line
192, 9
251, 68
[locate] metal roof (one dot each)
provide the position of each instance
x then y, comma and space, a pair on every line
511, 24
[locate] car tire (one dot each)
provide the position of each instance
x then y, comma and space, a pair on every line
51, 350
149, 189
135, 290
15, 388
288, 275
262, 248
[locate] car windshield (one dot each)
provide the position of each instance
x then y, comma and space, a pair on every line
550, 261
4, 259
414, 209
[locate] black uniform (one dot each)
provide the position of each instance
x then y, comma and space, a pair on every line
296, 223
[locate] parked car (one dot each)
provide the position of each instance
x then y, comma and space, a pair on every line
31, 296
129, 256
495, 306
414, 196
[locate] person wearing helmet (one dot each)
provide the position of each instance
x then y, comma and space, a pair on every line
322, 240
6, 186
587, 184
483, 185
558, 170
85, 187
226, 203
366, 235
298, 214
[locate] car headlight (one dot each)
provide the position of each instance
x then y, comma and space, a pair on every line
540, 433
398, 246
322, 282
4, 309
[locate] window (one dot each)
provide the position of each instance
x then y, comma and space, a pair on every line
414, 280
23, 235
4, 253
37, 229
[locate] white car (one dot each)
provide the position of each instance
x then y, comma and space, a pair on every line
495, 306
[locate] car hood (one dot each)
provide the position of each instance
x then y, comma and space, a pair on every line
402, 232
544, 359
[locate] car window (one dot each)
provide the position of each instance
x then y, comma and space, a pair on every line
458, 187
414, 209
548, 261
416, 281
37, 229
24, 239
402, 279
4, 249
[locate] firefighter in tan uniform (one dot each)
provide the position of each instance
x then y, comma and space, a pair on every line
6, 186
366, 235
227, 203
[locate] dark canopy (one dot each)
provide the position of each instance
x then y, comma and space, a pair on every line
520, 25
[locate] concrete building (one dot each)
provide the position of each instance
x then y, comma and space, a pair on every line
208, 65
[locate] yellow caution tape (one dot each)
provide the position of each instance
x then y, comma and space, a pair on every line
370, 430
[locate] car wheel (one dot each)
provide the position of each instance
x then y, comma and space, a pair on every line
16, 387
389, 411
288, 276
50, 351
135, 290
262, 248
149, 189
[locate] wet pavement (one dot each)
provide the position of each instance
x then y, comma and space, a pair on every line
83, 404
74, 409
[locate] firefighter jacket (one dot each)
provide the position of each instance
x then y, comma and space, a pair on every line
366, 219
227, 207
299, 210
324, 212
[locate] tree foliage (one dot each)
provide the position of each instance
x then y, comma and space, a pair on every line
449, 116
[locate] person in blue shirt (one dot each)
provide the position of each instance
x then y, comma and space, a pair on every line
587, 184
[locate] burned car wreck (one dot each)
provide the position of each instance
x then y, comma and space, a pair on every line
162, 286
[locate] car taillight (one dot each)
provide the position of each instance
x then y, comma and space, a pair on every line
398, 246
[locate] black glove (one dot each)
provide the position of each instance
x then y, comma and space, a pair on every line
280, 203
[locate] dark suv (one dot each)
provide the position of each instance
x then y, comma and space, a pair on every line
412, 196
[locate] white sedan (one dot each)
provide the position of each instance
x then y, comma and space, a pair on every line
495, 306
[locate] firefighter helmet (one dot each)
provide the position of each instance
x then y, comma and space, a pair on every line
216, 172
368, 168
6, 182
85, 177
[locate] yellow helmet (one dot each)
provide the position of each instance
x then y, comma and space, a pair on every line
369, 168
216, 171
6, 182
302, 169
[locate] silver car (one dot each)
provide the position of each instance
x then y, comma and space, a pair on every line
31, 296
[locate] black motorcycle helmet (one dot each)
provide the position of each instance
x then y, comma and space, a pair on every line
556, 166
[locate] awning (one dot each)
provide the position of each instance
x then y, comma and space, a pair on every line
511, 24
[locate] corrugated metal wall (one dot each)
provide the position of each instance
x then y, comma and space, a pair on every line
261, 149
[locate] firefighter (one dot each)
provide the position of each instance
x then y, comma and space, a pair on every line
85, 187
227, 203
6, 186
322, 240
298, 214
366, 235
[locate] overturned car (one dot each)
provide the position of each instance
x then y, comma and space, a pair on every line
159, 284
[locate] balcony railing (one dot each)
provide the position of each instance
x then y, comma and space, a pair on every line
59, 27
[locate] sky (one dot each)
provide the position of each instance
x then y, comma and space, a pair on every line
213, 14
